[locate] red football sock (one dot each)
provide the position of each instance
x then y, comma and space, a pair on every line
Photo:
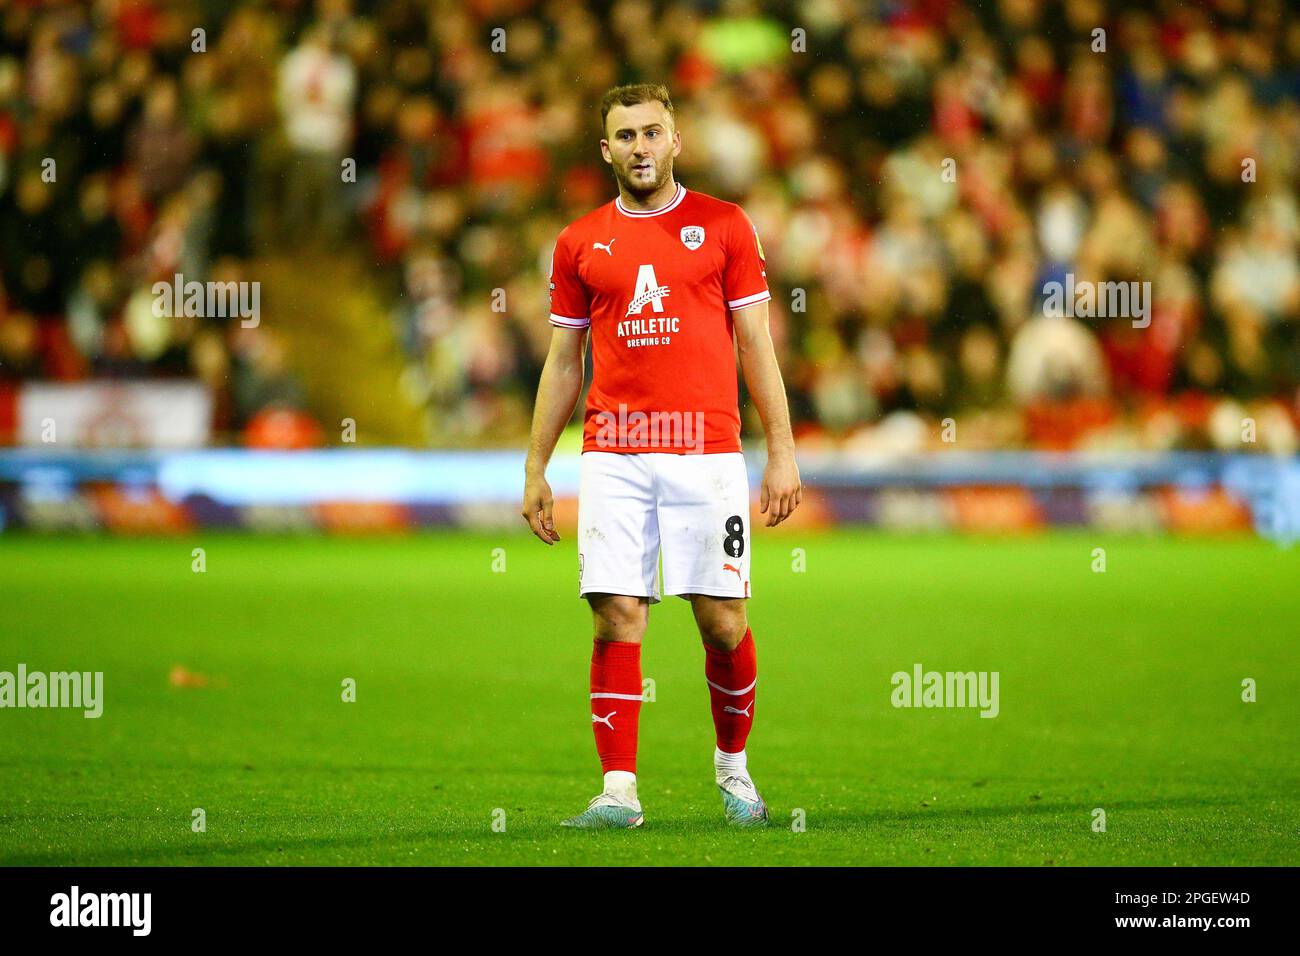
616, 702
732, 676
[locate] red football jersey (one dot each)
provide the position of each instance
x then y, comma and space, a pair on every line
656, 288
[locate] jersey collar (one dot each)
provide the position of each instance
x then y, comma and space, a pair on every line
647, 213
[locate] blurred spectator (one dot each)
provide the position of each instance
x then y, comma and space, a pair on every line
317, 85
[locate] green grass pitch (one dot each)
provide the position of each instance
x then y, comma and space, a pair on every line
1119, 690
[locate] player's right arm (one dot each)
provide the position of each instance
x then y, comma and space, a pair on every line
561, 383
557, 396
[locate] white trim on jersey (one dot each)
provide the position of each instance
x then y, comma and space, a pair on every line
569, 323
754, 299
644, 213
622, 696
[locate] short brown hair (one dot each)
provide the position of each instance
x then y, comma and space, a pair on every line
635, 93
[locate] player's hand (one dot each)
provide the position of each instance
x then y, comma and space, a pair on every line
537, 510
782, 489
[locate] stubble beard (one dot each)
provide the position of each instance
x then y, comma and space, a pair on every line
641, 192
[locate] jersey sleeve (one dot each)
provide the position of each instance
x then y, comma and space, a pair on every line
744, 281
570, 306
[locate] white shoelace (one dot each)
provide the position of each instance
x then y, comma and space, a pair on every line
742, 787
607, 799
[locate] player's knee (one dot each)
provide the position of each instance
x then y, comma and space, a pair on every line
723, 628
618, 617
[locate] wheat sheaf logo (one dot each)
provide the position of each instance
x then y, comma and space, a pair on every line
648, 290
650, 295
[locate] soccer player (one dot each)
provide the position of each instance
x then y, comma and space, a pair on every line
661, 278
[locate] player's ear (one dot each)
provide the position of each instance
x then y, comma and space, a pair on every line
604, 151
677, 143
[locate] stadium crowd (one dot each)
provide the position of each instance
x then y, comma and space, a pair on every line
919, 172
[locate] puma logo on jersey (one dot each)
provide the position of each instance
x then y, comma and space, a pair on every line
648, 290
728, 709
604, 720
731, 567
605, 245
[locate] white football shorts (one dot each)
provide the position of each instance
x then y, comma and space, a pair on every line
695, 506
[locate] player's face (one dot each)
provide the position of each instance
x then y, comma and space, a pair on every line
640, 146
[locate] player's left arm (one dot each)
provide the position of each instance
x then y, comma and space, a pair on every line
782, 489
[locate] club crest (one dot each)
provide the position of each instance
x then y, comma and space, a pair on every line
692, 237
